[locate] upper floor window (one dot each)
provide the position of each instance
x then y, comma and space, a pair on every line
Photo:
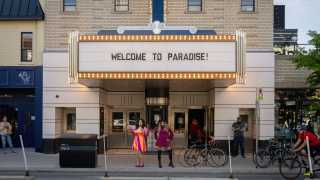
194, 5
248, 5
69, 5
26, 46
121, 5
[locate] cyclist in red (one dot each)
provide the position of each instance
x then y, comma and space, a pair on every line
301, 144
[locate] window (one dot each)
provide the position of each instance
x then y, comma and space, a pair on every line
179, 122
248, 5
117, 121
26, 47
71, 121
101, 121
69, 5
134, 117
121, 5
194, 5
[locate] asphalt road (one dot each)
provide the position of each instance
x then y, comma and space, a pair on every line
70, 177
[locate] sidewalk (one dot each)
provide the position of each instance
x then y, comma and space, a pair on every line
121, 163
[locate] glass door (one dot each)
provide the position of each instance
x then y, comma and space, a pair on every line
122, 121
132, 120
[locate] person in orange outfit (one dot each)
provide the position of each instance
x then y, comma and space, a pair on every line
139, 145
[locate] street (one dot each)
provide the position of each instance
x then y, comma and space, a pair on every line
55, 176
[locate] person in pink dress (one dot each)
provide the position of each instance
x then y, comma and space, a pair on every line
164, 137
139, 145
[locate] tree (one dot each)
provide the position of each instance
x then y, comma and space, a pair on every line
310, 59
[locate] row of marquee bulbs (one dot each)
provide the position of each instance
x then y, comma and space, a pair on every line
88, 75
157, 37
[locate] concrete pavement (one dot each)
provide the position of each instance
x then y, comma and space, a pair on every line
121, 163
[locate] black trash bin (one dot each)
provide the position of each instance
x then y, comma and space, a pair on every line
78, 151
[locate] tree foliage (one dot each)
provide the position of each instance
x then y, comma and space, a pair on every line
310, 59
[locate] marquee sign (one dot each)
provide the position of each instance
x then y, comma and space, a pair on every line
155, 56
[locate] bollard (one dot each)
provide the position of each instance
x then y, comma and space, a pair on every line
24, 157
105, 157
309, 155
230, 161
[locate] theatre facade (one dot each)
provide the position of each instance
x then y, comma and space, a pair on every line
158, 61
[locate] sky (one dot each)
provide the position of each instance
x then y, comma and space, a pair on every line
303, 15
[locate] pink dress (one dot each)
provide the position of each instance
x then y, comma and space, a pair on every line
164, 137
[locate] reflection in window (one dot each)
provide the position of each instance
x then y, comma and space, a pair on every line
69, 5
133, 119
248, 5
117, 121
195, 5
179, 122
71, 121
121, 5
26, 46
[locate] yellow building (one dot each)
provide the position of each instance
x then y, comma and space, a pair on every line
21, 47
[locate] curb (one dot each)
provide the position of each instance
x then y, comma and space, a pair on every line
161, 178
143, 173
16, 178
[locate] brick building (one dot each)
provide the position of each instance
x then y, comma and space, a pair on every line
108, 63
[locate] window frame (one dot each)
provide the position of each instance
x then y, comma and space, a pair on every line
22, 49
64, 5
115, 5
243, 9
188, 6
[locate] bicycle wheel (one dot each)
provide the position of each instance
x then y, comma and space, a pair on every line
290, 168
263, 159
180, 154
316, 165
216, 157
191, 157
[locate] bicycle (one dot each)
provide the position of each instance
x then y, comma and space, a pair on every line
291, 167
199, 153
274, 152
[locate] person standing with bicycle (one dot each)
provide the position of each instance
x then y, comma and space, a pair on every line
238, 129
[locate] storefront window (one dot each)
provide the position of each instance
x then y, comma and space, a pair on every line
179, 122
117, 121
294, 106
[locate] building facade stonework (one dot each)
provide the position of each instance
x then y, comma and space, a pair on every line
107, 105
